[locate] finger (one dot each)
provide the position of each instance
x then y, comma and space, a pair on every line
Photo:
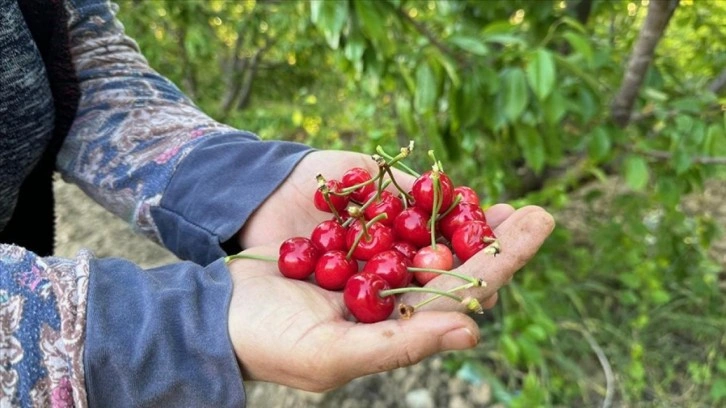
520, 236
372, 348
497, 213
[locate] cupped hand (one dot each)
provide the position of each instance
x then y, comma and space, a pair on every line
296, 334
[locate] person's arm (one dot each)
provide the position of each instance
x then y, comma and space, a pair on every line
144, 151
103, 332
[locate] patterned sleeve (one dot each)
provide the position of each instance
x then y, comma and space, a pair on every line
42, 329
134, 129
104, 332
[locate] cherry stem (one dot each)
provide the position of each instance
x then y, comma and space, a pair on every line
475, 282
437, 204
456, 202
395, 183
364, 232
397, 291
396, 160
437, 296
242, 255
325, 191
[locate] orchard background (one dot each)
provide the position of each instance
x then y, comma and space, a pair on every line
608, 113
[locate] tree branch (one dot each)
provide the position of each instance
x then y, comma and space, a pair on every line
663, 155
423, 30
659, 14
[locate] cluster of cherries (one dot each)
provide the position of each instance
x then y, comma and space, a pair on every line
380, 243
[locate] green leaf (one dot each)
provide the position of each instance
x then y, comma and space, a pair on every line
470, 44
330, 17
509, 348
580, 44
371, 22
600, 144
532, 146
636, 172
541, 73
515, 93
682, 161
554, 108
718, 389
426, 89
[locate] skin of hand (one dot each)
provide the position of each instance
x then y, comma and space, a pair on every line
296, 334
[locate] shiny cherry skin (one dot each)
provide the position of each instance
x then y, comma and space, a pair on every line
471, 238
411, 225
458, 216
329, 235
362, 298
333, 270
407, 249
387, 203
355, 176
432, 258
468, 195
380, 238
338, 201
423, 191
298, 257
390, 265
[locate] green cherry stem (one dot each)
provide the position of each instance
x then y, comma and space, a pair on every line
437, 296
242, 255
437, 204
397, 160
474, 282
398, 187
456, 202
325, 191
364, 232
408, 289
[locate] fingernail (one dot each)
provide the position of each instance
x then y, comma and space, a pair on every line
459, 339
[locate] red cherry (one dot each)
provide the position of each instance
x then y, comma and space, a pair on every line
298, 257
392, 266
411, 225
333, 270
471, 238
430, 258
328, 236
338, 201
358, 175
423, 191
362, 298
407, 249
458, 216
387, 203
468, 195
379, 239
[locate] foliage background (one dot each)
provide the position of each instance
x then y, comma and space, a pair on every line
522, 100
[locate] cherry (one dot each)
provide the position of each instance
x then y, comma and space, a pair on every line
333, 270
362, 298
391, 265
407, 249
356, 176
461, 214
411, 225
429, 257
423, 191
378, 239
328, 236
471, 238
298, 257
339, 202
387, 203
468, 195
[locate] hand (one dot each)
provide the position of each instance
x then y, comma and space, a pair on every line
296, 334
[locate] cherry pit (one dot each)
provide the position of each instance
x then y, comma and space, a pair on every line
382, 241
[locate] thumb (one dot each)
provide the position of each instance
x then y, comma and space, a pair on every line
390, 344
